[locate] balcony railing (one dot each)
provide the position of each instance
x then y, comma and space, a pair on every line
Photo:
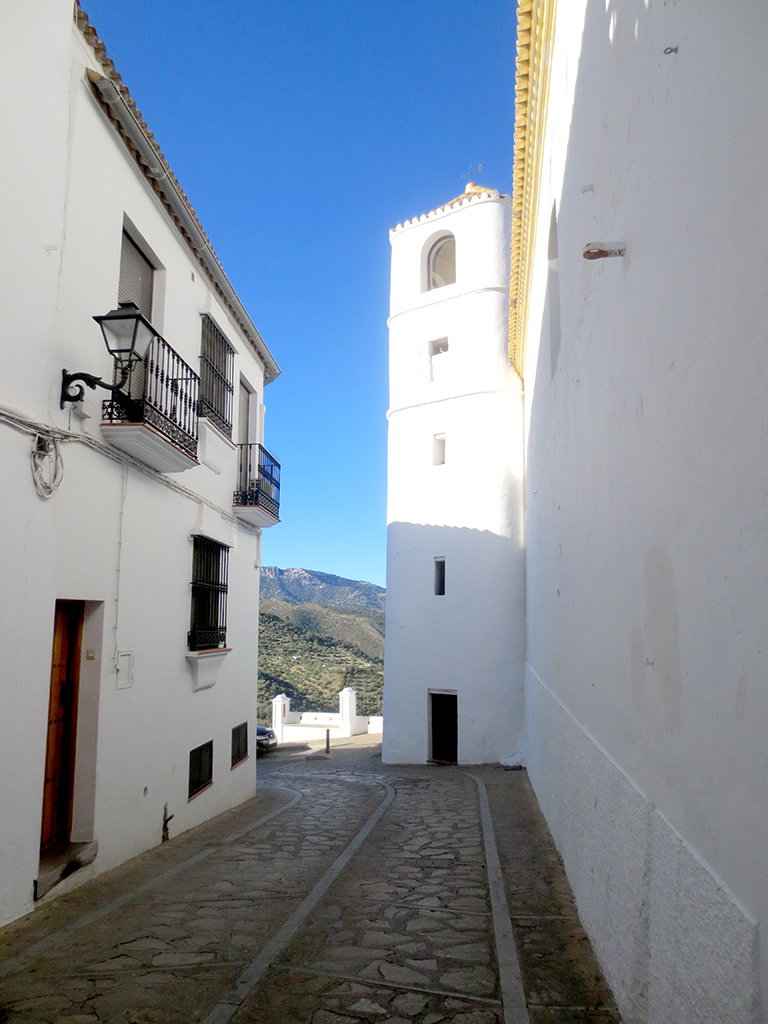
258, 484
161, 392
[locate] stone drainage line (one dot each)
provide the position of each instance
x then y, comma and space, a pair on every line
235, 995
512, 994
52, 940
395, 986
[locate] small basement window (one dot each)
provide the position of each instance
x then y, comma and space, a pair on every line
438, 450
440, 577
239, 743
200, 768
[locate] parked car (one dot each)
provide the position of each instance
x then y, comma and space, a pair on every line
265, 739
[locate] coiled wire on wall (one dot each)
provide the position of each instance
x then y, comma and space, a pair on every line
47, 464
47, 446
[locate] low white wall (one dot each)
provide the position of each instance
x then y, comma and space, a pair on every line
315, 730
302, 733
319, 718
669, 934
304, 725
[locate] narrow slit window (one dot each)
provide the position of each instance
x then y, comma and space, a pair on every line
438, 356
200, 768
440, 577
438, 450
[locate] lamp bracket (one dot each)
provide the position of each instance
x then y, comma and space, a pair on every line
70, 394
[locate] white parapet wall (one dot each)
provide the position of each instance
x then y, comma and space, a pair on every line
292, 726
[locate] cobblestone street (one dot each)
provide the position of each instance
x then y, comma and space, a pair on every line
346, 891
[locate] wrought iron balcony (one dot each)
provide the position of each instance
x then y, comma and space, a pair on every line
257, 498
154, 418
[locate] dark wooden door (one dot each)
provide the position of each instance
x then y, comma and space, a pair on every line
62, 719
444, 713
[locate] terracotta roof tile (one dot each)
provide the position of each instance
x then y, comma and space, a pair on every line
110, 71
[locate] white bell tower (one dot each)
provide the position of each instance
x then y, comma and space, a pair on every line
455, 638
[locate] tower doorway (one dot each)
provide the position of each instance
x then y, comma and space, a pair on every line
444, 727
62, 726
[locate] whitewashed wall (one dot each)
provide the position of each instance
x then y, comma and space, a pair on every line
647, 550
468, 510
112, 535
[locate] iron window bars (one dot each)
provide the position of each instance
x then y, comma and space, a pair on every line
208, 620
200, 768
217, 364
239, 743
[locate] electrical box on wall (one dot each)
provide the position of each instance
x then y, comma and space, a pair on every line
124, 669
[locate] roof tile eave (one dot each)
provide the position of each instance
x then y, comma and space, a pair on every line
251, 332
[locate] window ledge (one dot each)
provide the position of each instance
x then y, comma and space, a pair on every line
205, 666
199, 791
215, 449
213, 425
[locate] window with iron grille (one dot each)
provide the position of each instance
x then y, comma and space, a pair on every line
200, 768
239, 743
136, 277
208, 623
217, 369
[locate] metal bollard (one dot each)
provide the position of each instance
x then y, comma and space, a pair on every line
327, 741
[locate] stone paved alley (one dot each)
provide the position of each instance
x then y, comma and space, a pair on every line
347, 891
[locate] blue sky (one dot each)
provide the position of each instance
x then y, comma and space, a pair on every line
302, 132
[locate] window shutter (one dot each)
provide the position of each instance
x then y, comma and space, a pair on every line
135, 277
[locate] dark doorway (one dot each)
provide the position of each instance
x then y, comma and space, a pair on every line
62, 719
444, 722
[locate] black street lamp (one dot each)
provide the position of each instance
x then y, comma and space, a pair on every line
127, 334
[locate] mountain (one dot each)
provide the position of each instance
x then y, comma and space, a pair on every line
363, 630
317, 634
306, 586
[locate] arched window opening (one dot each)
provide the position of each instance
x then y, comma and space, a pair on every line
441, 263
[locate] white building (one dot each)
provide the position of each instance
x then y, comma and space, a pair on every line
455, 566
131, 520
638, 324
642, 129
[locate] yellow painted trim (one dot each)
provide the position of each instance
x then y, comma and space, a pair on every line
535, 40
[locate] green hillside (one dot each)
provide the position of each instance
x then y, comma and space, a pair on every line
311, 652
364, 630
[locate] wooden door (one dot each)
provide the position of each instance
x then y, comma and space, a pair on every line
62, 720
